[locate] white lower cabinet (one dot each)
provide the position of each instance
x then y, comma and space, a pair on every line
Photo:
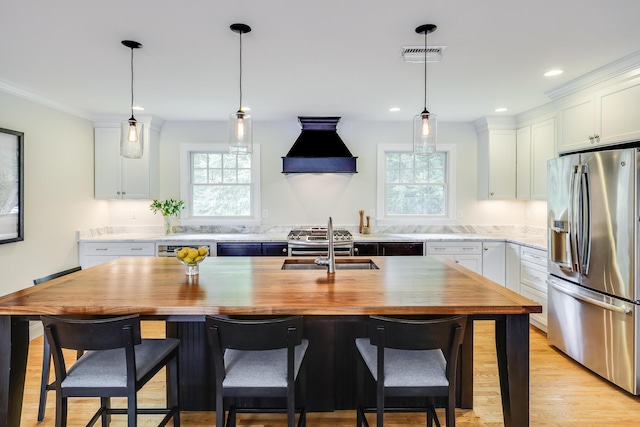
493, 261
91, 253
467, 254
533, 282
512, 267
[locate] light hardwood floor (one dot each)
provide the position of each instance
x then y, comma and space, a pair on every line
562, 394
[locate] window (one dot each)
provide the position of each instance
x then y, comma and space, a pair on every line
419, 189
219, 187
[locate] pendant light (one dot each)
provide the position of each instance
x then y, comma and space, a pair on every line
425, 124
131, 137
240, 129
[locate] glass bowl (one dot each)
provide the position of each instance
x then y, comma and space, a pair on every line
191, 257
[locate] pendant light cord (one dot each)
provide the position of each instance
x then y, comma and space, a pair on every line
425, 69
240, 106
131, 82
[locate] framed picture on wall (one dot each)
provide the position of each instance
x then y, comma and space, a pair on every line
11, 186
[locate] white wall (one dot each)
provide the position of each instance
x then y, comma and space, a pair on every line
309, 199
58, 191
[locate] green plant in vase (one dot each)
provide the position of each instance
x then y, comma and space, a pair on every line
169, 209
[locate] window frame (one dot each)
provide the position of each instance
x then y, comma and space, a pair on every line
450, 189
186, 189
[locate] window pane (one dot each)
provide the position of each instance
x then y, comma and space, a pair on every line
199, 176
215, 176
393, 161
200, 160
221, 200
229, 161
406, 160
393, 176
406, 175
215, 160
244, 161
244, 176
229, 176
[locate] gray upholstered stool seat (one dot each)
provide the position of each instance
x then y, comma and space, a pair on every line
260, 369
108, 368
406, 368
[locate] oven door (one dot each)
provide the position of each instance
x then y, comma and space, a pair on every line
300, 248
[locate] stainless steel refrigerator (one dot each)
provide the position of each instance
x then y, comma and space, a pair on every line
593, 291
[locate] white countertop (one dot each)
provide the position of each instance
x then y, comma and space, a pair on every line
536, 241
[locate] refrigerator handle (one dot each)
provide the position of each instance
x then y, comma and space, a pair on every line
588, 300
573, 220
585, 218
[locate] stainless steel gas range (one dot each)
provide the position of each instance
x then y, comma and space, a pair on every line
313, 241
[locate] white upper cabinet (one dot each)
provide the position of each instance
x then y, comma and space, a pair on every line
117, 177
617, 112
543, 142
523, 163
601, 108
496, 160
576, 123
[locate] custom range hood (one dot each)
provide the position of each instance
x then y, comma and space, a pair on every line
319, 149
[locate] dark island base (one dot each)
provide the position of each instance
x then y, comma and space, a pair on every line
329, 381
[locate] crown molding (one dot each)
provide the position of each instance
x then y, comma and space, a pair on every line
39, 99
629, 64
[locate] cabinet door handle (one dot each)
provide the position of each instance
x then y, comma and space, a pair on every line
101, 249
284, 250
492, 193
439, 249
356, 250
136, 249
486, 249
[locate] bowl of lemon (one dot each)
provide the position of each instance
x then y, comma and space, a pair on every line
191, 257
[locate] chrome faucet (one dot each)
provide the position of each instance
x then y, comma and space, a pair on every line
330, 260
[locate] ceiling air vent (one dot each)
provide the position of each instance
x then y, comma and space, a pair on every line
416, 53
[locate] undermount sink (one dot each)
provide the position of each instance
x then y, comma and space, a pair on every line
341, 264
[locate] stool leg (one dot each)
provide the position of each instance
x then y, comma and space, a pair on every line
44, 378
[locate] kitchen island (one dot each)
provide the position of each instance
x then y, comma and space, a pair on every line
157, 288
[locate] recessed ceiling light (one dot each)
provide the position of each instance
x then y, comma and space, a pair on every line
552, 73
394, 109
138, 108
500, 109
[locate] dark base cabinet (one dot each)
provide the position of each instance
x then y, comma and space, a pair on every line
388, 248
252, 249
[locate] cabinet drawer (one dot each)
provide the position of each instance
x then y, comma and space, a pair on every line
445, 248
535, 256
401, 248
119, 249
538, 319
534, 276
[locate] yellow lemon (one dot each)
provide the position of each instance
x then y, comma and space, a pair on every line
188, 259
199, 258
203, 251
182, 253
193, 253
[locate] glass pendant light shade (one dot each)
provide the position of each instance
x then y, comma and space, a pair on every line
131, 138
240, 128
240, 133
131, 131
425, 129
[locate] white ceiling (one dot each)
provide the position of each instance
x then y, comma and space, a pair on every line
326, 57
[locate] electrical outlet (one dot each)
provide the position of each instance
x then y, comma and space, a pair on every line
265, 213
134, 214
